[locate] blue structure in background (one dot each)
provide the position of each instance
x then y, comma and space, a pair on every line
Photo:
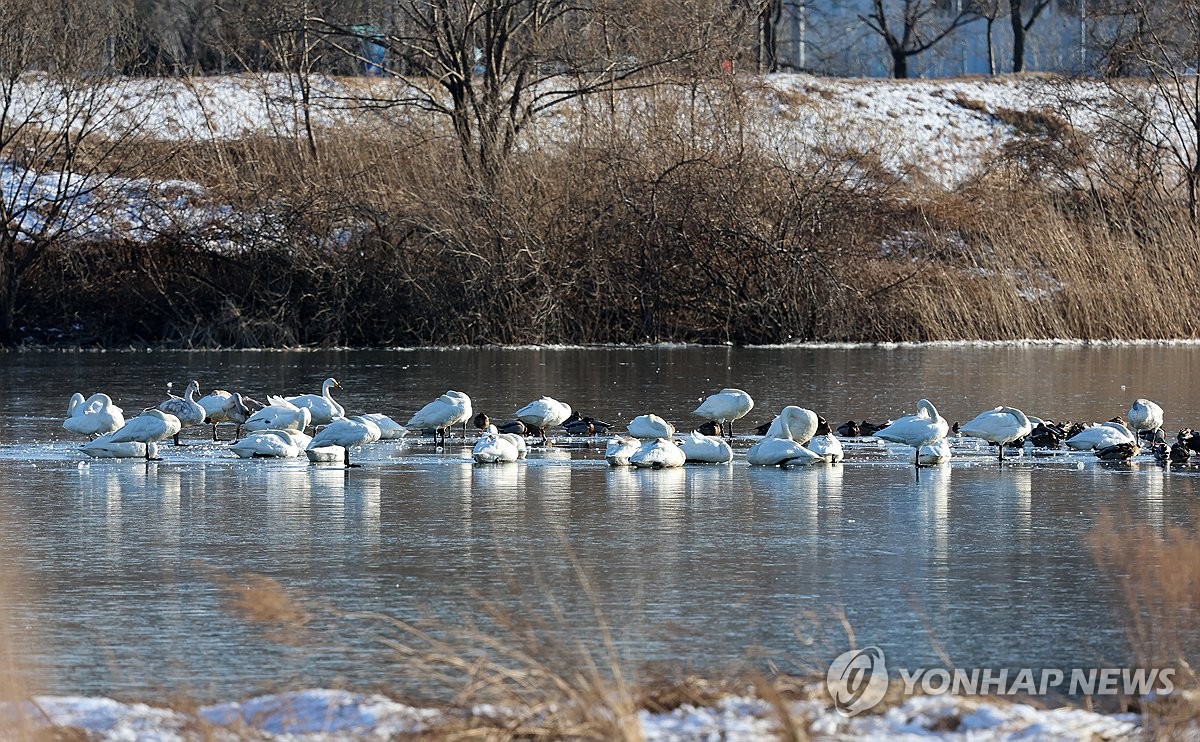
372, 52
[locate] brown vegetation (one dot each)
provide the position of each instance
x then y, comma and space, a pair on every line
661, 217
652, 231
1157, 575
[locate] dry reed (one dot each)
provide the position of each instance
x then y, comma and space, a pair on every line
1157, 576
665, 219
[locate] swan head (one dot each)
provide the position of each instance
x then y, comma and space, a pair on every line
76, 400
925, 408
797, 421
240, 403
329, 384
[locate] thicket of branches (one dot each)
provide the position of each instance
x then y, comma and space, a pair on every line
656, 212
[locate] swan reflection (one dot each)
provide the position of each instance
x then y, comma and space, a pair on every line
1151, 480
933, 489
708, 481
503, 484
363, 490
641, 494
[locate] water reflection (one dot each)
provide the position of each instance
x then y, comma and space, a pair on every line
699, 564
934, 489
1152, 478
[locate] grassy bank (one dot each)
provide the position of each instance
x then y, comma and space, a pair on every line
669, 218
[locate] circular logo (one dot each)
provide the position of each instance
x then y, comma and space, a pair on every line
857, 680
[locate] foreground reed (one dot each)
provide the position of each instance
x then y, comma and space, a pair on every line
1157, 575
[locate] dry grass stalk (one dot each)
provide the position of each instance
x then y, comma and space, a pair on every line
667, 217
262, 601
1157, 574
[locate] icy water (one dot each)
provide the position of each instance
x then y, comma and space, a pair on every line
701, 569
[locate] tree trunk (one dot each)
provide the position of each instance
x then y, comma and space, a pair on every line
8, 301
991, 49
899, 64
1018, 32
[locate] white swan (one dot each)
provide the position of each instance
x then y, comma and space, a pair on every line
649, 427
374, 432
934, 454
781, 446
345, 433
221, 407
1001, 425
705, 449
918, 430
185, 409
619, 449
544, 413
1100, 436
150, 427
389, 429
492, 449
321, 407
443, 413
94, 416
103, 448
518, 442
280, 414
825, 444
1144, 415
801, 424
326, 455
725, 406
781, 452
659, 453
279, 444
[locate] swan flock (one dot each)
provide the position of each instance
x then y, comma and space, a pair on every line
318, 426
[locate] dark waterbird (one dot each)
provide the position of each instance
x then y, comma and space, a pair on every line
519, 428
1119, 452
849, 429
1046, 436
865, 428
585, 425
1190, 438
712, 427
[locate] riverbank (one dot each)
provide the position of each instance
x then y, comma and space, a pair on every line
740, 210
334, 714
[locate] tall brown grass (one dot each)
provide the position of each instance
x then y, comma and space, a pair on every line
665, 219
18, 679
1157, 576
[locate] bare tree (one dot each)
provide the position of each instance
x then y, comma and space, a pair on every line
914, 26
1124, 31
768, 35
1170, 57
57, 148
991, 11
491, 66
1021, 25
